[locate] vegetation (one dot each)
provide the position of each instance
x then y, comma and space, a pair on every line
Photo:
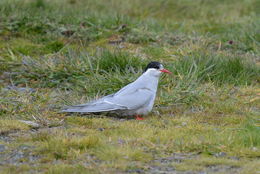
55, 53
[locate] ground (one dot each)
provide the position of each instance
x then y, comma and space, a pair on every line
55, 53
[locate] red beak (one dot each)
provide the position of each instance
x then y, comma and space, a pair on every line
165, 71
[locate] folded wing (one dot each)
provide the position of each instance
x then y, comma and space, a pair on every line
125, 101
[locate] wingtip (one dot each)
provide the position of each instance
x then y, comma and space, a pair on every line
70, 110
67, 109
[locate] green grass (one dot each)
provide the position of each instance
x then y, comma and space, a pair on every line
72, 51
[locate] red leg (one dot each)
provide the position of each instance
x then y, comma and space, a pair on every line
138, 117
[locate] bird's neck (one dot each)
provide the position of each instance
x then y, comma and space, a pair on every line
149, 81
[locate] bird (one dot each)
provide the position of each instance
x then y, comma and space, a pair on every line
135, 99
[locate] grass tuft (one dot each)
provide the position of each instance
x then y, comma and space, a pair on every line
217, 69
118, 61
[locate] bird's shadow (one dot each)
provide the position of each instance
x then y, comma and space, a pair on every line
101, 115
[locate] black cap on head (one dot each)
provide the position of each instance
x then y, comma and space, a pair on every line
155, 65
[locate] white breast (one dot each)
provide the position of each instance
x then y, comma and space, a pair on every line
147, 108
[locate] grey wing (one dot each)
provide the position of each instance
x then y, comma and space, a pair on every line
100, 105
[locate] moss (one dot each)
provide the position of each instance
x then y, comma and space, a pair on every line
66, 169
199, 164
54, 46
7, 126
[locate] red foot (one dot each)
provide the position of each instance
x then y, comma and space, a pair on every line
137, 117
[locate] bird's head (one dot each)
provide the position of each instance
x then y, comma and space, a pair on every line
155, 69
